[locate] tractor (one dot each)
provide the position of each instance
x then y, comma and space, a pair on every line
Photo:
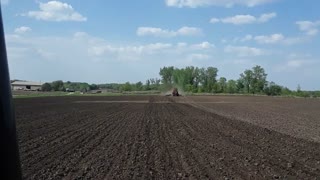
175, 92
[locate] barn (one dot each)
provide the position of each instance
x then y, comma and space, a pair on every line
26, 85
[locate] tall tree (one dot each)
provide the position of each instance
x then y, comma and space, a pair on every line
126, 87
272, 89
246, 78
259, 79
166, 74
211, 75
231, 86
93, 87
222, 85
46, 87
203, 80
240, 85
139, 86
147, 86
57, 85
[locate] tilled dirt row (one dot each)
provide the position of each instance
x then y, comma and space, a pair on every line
298, 117
61, 139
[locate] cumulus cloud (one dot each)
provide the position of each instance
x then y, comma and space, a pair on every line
147, 49
225, 3
309, 27
276, 38
22, 29
56, 11
271, 39
158, 32
100, 50
245, 19
4, 2
198, 56
244, 51
203, 45
296, 64
248, 37
90, 47
214, 20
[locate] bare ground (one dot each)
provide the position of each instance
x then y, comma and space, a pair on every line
162, 138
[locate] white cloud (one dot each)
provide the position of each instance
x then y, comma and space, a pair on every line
4, 2
295, 64
309, 27
203, 45
224, 41
96, 58
158, 32
80, 34
22, 29
243, 51
247, 38
56, 11
239, 19
266, 17
189, 31
181, 44
139, 51
274, 38
198, 56
245, 19
225, 3
150, 31
214, 20
119, 51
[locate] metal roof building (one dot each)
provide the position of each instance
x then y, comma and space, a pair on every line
26, 85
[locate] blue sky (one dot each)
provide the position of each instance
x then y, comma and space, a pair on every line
117, 41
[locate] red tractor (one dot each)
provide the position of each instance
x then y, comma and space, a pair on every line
175, 92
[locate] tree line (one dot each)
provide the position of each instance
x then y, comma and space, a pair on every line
205, 80
59, 85
193, 80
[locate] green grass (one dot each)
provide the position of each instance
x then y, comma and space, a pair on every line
38, 94
66, 94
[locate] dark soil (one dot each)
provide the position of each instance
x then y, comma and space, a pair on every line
153, 138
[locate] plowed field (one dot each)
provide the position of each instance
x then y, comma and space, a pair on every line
154, 137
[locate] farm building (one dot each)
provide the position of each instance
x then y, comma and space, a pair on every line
26, 85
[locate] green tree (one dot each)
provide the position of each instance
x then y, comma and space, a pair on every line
211, 75
157, 84
299, 89
222, 85
93, 87
254, 80
139, 86
240, 85
57, 85
246, 80
272, 89
83, 87
232, 86
187, 78
259, 79
46, 87
147, 86
286, 91
203, 81
166, 74
126, 87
